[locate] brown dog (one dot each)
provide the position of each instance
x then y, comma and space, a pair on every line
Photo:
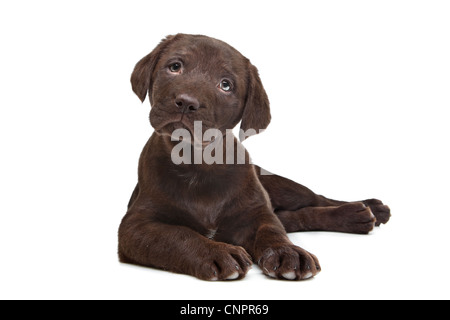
211, 219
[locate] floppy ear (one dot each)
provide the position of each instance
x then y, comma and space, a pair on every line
256, 114
141, 78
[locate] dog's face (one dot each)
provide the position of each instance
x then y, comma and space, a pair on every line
196, 78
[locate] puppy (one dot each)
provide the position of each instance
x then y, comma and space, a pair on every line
200, 207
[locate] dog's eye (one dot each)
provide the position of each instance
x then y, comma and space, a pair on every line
175, 67
225, 85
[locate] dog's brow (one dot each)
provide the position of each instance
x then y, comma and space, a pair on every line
227, 71
179, 55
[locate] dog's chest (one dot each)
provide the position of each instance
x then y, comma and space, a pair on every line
199, 198
206, 212
206, 199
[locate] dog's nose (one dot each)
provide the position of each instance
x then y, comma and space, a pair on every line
187, 103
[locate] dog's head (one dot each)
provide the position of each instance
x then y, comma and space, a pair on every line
196, 78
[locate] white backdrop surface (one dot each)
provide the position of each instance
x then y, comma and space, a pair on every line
359, 88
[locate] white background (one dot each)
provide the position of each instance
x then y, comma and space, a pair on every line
360, 93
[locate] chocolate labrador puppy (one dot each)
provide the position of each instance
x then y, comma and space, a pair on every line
211, 213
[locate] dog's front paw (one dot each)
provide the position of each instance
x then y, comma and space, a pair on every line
289, 262
381, 211
224, 262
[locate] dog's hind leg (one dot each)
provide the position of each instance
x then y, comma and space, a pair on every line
350, 218
300, 209
286, 194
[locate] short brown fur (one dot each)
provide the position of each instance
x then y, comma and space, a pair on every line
212, 221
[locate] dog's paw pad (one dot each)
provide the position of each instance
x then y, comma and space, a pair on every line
290, 275
233, 276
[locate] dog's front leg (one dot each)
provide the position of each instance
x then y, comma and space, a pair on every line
179, 249
282, 259
267, 242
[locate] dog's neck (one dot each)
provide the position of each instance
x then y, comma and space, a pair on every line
158, 169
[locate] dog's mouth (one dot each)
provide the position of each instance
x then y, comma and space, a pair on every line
169, 125
183, 127
179, 128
